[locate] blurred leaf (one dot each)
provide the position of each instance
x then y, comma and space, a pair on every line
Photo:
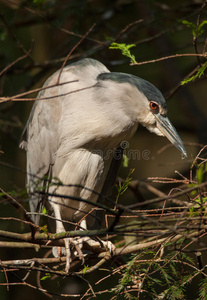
44, 210
199, 73
203, 290
125, 161
125, 49
200, 29
44, 228
85, 269
47, 276
190, 25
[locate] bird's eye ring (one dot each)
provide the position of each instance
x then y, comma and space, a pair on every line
154, 106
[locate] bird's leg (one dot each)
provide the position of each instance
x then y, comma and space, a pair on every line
58, 251
76, 242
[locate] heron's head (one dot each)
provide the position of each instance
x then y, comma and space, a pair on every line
147, 102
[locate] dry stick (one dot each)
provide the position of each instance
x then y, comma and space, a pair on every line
12, 64
39, 276
7, 281
18, 205
104, 256
15, 219
21, 245
168, 57
168, 180
17, 97
39, 289
157, 200
42, 237
135, 184
72, 50
194, 162
13, 98
81, 36
126, 28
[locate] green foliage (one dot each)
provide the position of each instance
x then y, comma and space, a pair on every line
47, 276
3, 34
159, 278
203, 290
201, 173
38, 2
125, 50
86, 268
44, 210
122, 187
197, 208
199, 73
127, 276
44, 228
175, 292
125, 161
196, 30
15, 194
199, 202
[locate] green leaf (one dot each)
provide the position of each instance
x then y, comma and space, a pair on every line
47, 276
200, 29
85, 269
199, 73
190, 25
38, 2
3, 34
122, 187
125, 161
44, 210
196, 30
200, 174
44, 228
125, 49
203, 290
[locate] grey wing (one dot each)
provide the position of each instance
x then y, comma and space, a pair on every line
40, 141
41, 138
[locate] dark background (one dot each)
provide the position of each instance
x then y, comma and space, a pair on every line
47, 31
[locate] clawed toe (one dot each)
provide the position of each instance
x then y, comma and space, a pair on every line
109, 245
73, 248
100, 245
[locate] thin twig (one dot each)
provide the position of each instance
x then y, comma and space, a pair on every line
169, 57
72, 50
12, 64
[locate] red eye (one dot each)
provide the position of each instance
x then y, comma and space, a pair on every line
154, 105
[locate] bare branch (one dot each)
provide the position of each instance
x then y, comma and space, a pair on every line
204, 55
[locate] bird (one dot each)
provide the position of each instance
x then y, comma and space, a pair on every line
78, 122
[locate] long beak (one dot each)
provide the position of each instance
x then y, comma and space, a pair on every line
164, 125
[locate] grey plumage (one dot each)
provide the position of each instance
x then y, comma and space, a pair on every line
78, 124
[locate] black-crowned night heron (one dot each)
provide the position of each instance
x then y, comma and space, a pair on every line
74, 131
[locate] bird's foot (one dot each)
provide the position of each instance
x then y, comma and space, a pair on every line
74, 244
100, 245
73, 248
